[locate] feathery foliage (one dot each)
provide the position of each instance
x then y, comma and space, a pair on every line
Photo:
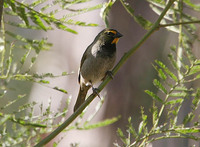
21, 127
174, 84
18, 53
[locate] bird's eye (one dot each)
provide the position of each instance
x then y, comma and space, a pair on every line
109, 33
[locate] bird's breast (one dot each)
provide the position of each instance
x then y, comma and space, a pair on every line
95, 66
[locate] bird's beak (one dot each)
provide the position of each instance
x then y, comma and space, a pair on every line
117, 36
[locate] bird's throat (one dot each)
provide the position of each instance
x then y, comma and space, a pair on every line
115, 41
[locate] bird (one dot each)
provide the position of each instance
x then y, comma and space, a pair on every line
97, 61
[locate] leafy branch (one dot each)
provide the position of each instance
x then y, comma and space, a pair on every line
174, 98
19, 121
179, 23
172, 86
19, 54
37, 17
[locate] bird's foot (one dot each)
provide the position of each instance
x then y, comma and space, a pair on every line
110, 74
96, 91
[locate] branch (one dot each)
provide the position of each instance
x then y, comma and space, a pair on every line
21, 121
107, 80
179, 23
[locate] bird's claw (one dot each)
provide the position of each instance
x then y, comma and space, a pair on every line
110, 74
96, 91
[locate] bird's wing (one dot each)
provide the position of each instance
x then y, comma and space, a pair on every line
84, 57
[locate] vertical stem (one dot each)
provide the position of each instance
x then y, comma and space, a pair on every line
2, 46
180, 39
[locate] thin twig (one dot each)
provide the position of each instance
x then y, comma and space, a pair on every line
21, 121
178, 23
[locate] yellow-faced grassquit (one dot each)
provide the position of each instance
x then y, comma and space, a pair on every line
97, 60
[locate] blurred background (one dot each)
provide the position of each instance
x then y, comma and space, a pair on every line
124, 95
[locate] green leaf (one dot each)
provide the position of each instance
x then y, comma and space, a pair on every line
46, 7
80, 23
102, 123
105, 10
188, 130
33, 59
64, 73
26, 106
196, 100
12, 5
55, 144
178, 94
121, 135
37, 2
33, 44
59, 25
67, 4
139, 19
37, 20
140, 128
155, 114
188, 118
61, 90
24, 57
131, 128
169, 73
24, 123
195, 69
154, 96
159, 86
173, 61
144, 117
197, 62
180, 88
22, 14
43, 81
128, 8
194, 6
146, 24
142, 125
22, 25
197, 77
83, 10
172, 102
161, 73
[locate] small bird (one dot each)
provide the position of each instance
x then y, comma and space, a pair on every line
98, 59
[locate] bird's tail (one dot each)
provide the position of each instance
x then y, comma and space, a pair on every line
81, 96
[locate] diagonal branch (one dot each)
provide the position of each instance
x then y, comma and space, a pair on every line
107, 80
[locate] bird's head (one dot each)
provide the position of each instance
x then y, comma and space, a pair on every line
109, 36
